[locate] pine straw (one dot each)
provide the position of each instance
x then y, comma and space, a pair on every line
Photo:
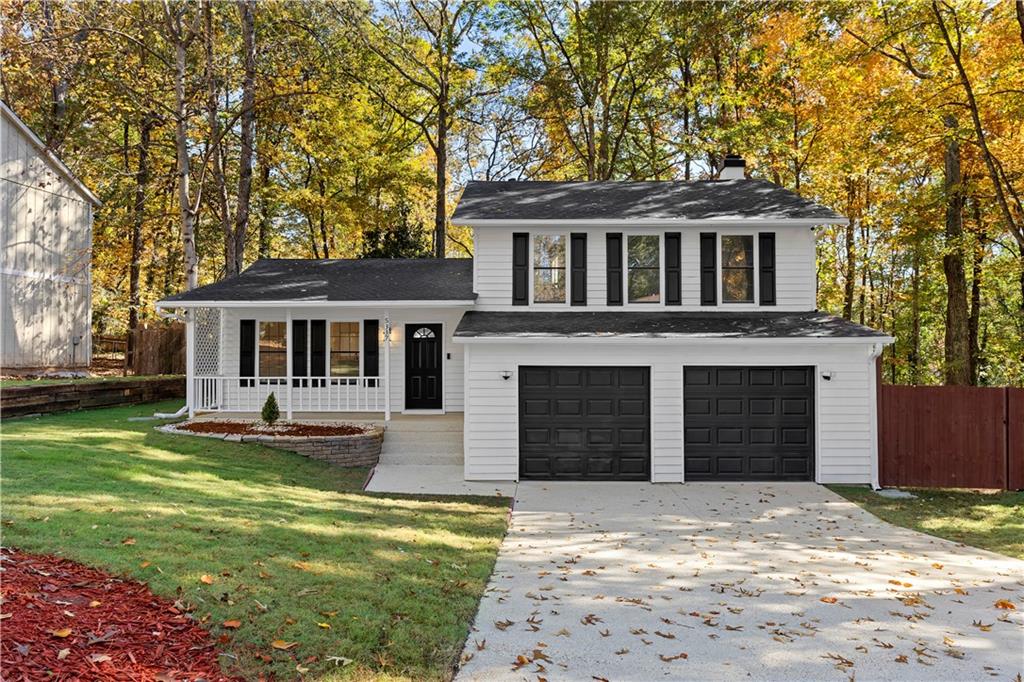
63, 620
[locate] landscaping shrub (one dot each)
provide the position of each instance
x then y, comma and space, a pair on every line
270, 412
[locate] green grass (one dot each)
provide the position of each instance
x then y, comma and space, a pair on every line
291, 543
36, 381
993, 521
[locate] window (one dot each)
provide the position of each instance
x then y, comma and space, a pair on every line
737, 268
643, 257
549, 268
273, 354
423, 333
344, 349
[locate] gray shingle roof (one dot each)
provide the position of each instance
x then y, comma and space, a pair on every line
476, 324
668, 200
426, 279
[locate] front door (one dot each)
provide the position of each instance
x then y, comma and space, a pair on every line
423, 367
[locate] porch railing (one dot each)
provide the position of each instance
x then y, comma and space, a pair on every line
300, 394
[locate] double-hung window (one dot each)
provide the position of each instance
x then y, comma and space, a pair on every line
549, 268
344, 349
737, 268
643, 258
273, 353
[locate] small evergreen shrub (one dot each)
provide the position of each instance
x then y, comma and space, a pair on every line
270, 412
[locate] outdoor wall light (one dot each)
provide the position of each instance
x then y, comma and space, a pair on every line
506, 375
827, 376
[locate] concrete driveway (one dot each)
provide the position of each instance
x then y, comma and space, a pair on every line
736, 581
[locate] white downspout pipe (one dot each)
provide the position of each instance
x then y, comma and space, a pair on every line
387, 366
873, 353
190, 371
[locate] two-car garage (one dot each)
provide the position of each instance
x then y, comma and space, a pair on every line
738, 423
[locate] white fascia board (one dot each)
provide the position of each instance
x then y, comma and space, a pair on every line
716, 223
875, 341
169, 305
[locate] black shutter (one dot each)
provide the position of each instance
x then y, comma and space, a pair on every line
246, 351
299, 364
766, 265
318, 350
371, 353
520, 268
673, 268
614, 268
708, 271
578, 280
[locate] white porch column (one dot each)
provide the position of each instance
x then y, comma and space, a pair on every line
387, 366
190, 362
288, 357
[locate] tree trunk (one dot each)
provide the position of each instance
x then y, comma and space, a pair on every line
957, 346
247, 10
1020, 18
138, 218
440, 203
58, 83
216, 149
188, 213
915, 317
851, 254
264, 226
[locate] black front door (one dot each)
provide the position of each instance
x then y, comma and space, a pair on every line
423, 367
748, 423
585, 423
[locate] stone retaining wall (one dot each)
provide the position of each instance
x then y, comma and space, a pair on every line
360, 450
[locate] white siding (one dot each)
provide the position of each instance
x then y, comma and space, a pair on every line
795, 278
844, 422
454, 390
45, 242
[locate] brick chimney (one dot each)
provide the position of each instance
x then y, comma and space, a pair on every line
733, 168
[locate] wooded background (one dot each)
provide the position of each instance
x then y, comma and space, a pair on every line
217, 132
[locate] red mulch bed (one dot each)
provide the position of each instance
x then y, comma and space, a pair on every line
259, 429
65, 621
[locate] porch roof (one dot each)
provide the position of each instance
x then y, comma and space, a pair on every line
710, 325
373, 280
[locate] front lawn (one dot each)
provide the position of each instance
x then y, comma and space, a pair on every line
993, 521
290, 547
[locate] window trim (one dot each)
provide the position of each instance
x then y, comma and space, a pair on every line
567, 270
755, 265
661, 269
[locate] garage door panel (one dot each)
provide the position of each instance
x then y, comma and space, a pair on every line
743, 423
584, 423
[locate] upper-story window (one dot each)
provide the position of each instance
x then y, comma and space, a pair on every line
737, 268
643, 257
549, 268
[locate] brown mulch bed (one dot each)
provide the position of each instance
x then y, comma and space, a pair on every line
65, 621
260, 429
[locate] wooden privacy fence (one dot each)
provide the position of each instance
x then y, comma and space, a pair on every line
158, 350
951, 436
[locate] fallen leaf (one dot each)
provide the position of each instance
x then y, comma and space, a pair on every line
128, 541
981, 626
901, 659
283, 645
937, 567
62, 654
1005, 604
677, 657
93, 604
99, 658
145, 564
325, 626
206, 579
829, 600
232, 624
62, 633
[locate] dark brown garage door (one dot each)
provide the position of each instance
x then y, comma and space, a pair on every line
584, 423
748, 423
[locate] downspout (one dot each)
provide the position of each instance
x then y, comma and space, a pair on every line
874, 352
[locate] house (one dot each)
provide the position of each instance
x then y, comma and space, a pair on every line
661, 331
45, 254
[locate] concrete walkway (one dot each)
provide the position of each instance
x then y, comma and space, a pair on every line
422, 454
787, 582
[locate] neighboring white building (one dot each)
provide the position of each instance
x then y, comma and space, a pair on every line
651, 331
45, 254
